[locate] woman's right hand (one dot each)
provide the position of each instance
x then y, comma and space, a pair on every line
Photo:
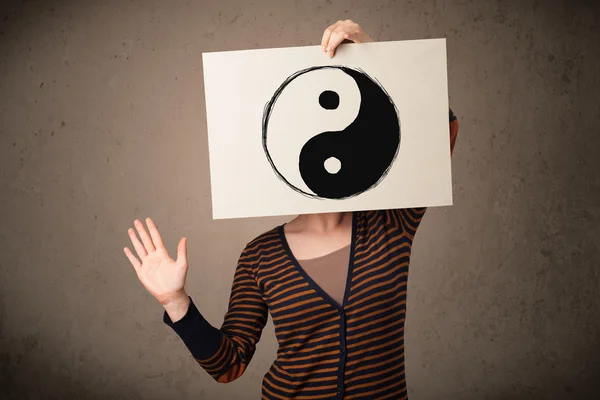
162, 276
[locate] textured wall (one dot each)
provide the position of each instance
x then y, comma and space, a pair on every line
102, 121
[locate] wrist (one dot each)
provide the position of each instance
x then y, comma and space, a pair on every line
177, 306
175, 298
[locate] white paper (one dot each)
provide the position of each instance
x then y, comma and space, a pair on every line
278, 173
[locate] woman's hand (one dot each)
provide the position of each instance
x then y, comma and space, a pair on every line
340, 31
162, 276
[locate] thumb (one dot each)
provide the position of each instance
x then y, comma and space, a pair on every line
182, 250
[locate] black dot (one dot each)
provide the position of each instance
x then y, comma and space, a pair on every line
329, 100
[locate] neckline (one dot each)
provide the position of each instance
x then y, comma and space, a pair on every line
305, 260
323, 294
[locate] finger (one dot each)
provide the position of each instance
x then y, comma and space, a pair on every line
352, 36
144, 235
182, 251
139, 248
336, 38
156, 238
327, 34
134, 261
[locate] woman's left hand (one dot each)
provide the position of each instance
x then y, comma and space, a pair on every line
340, 31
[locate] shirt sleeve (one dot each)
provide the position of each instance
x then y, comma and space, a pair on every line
226, 352
452, 116
407, 219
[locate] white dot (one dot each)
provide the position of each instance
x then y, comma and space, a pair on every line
333, 165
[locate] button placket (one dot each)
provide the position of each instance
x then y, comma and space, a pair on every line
342, 349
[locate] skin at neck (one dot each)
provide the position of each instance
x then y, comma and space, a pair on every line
315, 235
321, 223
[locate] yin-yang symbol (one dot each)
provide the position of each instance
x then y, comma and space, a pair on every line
331, 132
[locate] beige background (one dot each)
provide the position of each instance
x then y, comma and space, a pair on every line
102, 121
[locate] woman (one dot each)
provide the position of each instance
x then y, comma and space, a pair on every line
335, 285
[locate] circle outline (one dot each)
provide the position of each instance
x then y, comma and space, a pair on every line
267, 115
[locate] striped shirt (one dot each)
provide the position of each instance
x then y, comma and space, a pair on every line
326, 351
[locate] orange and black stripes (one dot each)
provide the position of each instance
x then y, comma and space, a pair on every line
355, 351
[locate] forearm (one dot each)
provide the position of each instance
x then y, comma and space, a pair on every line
223, 353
